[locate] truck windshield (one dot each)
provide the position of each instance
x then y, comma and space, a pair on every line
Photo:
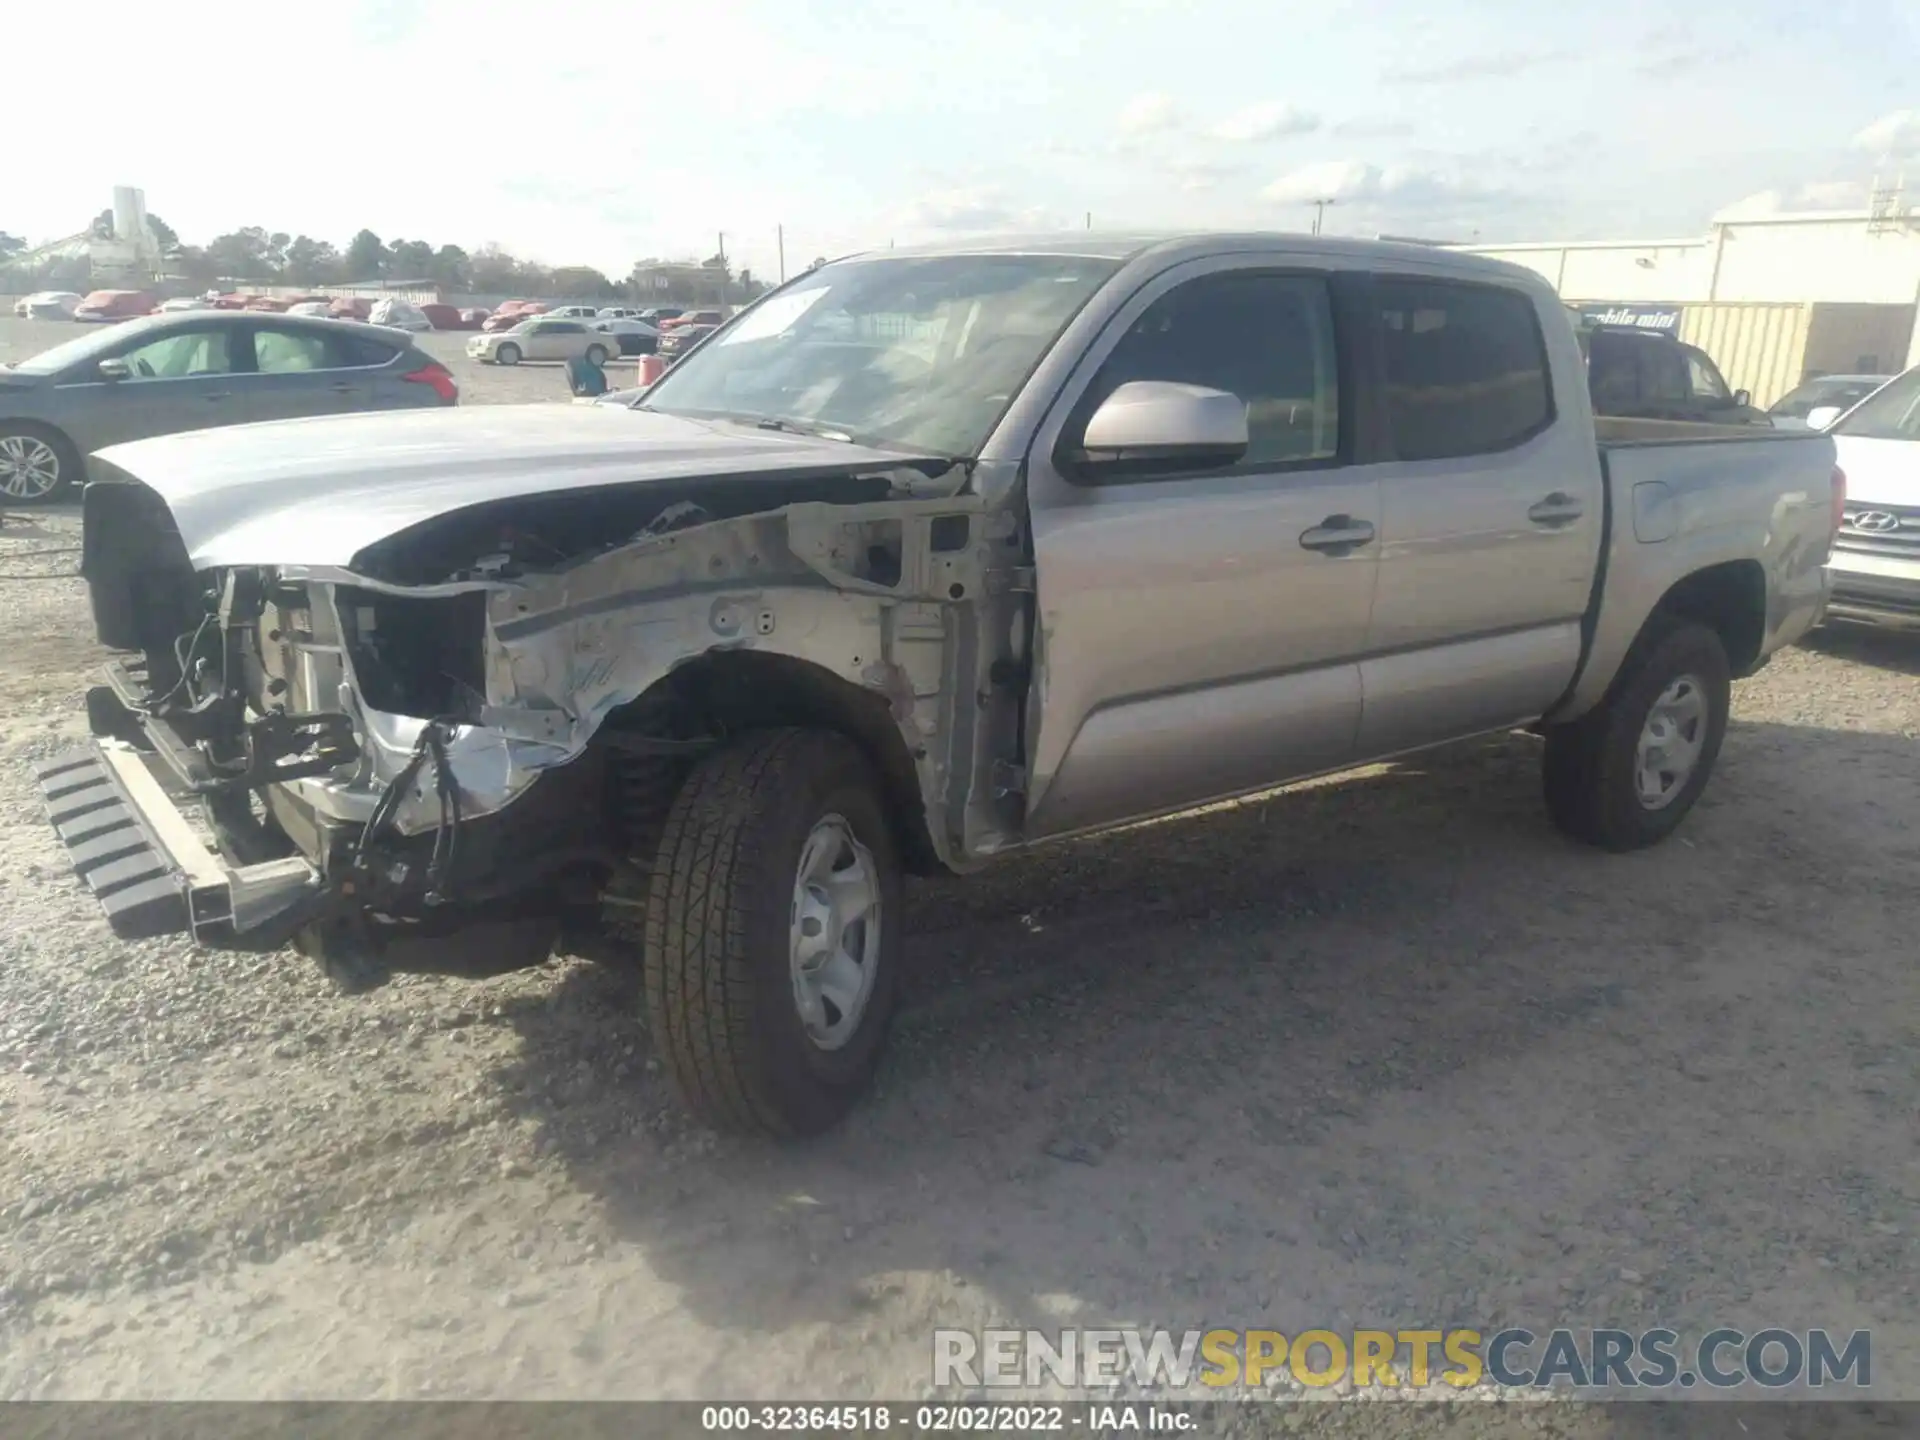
921, 354
1890, 413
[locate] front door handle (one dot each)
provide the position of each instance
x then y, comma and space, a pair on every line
1556, 510
213, 395
1337, 535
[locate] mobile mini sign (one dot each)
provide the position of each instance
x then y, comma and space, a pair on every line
1664, 318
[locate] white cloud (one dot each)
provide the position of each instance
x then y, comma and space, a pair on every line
1896, 135
1820, 195
1148, 114
1329, 180
1354, 182
970, 209
1269, 120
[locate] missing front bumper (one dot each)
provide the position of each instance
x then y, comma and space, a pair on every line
150, 870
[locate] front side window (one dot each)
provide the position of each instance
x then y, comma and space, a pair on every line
918, 353
1891, 413
180, 355
1466, 368
1267, 339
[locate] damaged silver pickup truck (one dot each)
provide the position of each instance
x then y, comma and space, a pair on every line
925, 558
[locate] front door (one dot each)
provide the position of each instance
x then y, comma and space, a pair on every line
183, 380
1491, 514
1198, 633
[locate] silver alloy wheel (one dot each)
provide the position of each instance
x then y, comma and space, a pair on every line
1671, 740
834, 941
29, 467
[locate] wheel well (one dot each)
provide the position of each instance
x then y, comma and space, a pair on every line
1731, 600
729, 692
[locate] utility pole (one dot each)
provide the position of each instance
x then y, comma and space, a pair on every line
723, 269
1319, 210
1089, 220
780, 239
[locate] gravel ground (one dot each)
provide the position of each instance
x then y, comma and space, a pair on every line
1384, 1050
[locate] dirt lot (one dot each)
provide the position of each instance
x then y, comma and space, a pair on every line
1380, 1051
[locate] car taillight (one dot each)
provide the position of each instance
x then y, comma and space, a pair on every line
439, 377
1839, 498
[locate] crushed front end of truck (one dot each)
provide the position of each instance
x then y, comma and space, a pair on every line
447, 756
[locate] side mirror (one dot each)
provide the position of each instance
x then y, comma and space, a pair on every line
1821, 416
1162, 424
1743, 398
114, 370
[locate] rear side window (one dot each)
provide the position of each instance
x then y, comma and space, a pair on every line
1466, 368
280, 352
1663, 375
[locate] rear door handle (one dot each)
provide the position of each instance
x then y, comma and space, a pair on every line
1557, 509
1337, 535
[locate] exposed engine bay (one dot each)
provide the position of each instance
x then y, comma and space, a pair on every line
389, 721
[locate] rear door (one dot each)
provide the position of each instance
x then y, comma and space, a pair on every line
1199, 631
1491, 512
185, 379
301, 371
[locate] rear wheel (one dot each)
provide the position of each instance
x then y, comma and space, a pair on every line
1625, 775
507, 355
772, 933
596, 355
36, 463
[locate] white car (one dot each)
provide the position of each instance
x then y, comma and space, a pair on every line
182, 303
543, 338
316, 309
617, 312
49, 305
399, 315
573, 312
1875, 564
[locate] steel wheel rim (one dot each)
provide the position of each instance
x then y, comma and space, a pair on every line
29, 467
1670, 743
834, 932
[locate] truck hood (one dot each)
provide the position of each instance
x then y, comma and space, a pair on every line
320, 491
1880, 472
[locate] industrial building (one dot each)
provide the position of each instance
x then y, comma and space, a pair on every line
1775, 299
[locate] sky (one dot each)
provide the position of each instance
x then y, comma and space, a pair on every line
604, 131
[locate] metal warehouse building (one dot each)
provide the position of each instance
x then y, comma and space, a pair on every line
1775, 300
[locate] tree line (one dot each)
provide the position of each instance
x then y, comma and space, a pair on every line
258, 255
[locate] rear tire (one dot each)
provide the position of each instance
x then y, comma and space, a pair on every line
597, 355
1625, 775
507, 355
37, 463
753, 908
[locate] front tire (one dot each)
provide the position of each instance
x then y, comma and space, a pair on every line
1624, 776
772, 933
507, 355
37, 464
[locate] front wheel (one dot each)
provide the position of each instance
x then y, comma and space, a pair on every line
772, 933
36, 465
507, 355
1625, 775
